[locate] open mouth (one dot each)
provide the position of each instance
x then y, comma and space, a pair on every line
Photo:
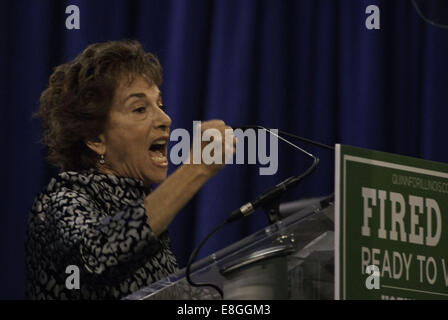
158, 151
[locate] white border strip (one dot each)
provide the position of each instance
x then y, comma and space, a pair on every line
396, 166
337, 212
419, 291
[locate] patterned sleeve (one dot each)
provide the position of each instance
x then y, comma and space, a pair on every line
102, 242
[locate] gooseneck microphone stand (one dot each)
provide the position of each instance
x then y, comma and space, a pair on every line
269, 200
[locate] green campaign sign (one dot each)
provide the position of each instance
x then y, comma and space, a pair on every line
391, 226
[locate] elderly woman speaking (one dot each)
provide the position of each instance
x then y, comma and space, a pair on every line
105, 125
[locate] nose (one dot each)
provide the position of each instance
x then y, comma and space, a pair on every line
163, 121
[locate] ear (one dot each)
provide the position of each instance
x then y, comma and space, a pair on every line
98, 145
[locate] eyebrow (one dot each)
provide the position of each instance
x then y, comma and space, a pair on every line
141, 95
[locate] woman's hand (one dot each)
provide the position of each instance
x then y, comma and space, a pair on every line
225, 142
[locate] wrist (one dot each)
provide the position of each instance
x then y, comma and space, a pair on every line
198, 171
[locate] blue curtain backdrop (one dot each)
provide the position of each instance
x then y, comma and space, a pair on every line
305, 66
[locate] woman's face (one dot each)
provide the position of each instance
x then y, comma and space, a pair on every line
137, 133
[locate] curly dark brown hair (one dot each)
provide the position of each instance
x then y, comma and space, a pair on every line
75, 106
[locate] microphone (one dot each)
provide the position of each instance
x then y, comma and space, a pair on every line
272, 194
262, 200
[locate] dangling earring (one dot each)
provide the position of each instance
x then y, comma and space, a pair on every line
102, 159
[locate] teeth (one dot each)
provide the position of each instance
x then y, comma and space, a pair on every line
158, 156
161, 159
157, 153
159, 142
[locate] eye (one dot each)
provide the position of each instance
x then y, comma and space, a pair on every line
140, 110
163, 107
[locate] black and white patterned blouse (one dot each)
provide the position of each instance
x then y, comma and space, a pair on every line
98, 223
